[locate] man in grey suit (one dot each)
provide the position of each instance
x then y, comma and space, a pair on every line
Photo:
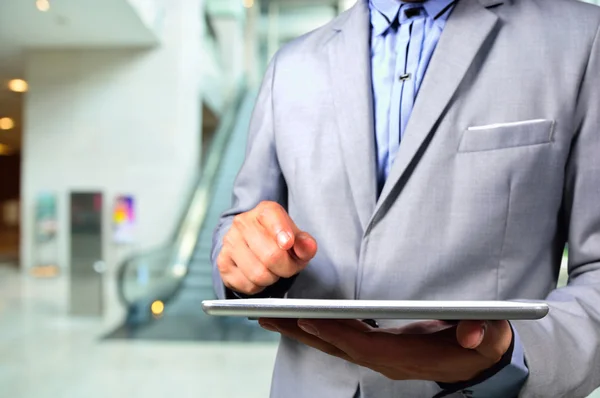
355, 187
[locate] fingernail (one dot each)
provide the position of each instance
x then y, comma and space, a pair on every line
283, 238
269, 327
308, 328
302, 236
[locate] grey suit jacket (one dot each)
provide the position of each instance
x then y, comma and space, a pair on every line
498, 169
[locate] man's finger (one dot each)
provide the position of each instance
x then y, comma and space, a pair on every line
425, 327
266, 250
470, 334
290, 329
356, 343
305, 247
235, 280
278, 224
497, 340
252, 268
356, 324
490, 339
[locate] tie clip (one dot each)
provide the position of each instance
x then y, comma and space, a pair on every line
405, 77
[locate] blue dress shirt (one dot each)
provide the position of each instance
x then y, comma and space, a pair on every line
404, 36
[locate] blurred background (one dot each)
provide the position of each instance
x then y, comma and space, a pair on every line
122, 127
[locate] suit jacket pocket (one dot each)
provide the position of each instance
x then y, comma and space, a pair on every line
507, 135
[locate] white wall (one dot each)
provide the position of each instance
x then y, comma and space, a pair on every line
116, 121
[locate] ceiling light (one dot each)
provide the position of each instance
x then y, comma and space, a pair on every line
248, 3
6, 123
42, 5
18, 85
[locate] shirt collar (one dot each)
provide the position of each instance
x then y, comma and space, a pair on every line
384, 12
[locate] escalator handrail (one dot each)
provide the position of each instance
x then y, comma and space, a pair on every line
187, 232
193, 221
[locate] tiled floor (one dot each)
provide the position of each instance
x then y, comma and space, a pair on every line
44, 353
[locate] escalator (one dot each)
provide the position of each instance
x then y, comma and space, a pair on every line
163, 289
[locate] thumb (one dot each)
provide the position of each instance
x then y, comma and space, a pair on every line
490, 339
470, 334
305, 247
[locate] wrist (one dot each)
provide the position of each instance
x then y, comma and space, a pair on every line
504, 361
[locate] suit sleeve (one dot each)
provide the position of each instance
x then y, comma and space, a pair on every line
563, 350
260, 179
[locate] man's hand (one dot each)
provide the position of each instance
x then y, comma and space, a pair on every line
262, 246
434, 351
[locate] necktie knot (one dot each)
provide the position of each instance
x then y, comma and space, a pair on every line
410, 12
406, 14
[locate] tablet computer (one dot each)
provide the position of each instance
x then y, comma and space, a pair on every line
380, 309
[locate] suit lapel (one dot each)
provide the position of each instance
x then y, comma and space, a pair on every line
350, 71
464, 36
